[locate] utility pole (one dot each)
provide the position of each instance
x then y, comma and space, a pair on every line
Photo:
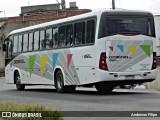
28, 3
113, 4
63, 4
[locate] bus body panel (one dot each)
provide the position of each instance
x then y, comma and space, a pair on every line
9, 75
21, 64
78, 71
129, 54
11, 70
84, 59
137, 69
39, 67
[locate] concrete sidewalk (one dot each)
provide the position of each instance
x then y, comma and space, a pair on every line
156, 83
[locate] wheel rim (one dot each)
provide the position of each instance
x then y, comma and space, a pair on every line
59, 81
18, 80
127, 86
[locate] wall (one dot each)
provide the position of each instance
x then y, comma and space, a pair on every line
40, 8
155, 85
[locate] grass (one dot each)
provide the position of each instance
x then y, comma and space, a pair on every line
27, 108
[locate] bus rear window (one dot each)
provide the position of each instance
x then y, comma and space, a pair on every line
127, 25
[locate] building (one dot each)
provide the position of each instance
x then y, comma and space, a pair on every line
32, 15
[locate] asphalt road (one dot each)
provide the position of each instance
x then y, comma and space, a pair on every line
83, 99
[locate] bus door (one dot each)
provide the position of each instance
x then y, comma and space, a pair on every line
8, 52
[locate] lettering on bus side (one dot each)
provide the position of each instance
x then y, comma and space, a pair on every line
87, 56
119, 57
115, 58
19, 61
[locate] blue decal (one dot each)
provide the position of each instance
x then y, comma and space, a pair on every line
54, 58
121, 47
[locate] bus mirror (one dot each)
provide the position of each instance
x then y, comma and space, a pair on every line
4, 47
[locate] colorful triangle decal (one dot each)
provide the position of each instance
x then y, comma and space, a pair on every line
133, 50
146, 49
121, 47
111, 48
43, 61
54, 58
69, 57
31, 63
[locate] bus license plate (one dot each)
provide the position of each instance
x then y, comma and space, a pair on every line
129, 77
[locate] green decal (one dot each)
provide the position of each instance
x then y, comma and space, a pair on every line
31, 63
43, 61
146, 49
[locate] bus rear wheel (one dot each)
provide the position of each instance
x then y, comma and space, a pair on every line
59, 84
19, 86
104, 88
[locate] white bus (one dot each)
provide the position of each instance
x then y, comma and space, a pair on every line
104, 49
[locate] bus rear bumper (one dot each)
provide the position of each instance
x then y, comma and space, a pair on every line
145, 76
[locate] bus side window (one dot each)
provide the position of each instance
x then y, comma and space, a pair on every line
10, 47
69, 35
20, 44
79, 33
90, 31
15, 44
36, 40
9, 50
55, 37
49, 41
149, 28
42, 40
25, 42
30, 41
62, 36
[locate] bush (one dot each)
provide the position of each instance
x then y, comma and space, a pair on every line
27, 108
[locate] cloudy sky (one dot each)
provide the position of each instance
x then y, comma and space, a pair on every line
12, 7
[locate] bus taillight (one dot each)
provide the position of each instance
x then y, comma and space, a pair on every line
154, 65
102, 62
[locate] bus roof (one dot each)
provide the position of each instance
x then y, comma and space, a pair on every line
77, 17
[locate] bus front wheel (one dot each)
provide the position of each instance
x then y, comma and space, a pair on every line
104, 88
19, 86
59, 84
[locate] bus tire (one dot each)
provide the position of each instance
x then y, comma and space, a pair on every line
59, 84
19, 86
104, 88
